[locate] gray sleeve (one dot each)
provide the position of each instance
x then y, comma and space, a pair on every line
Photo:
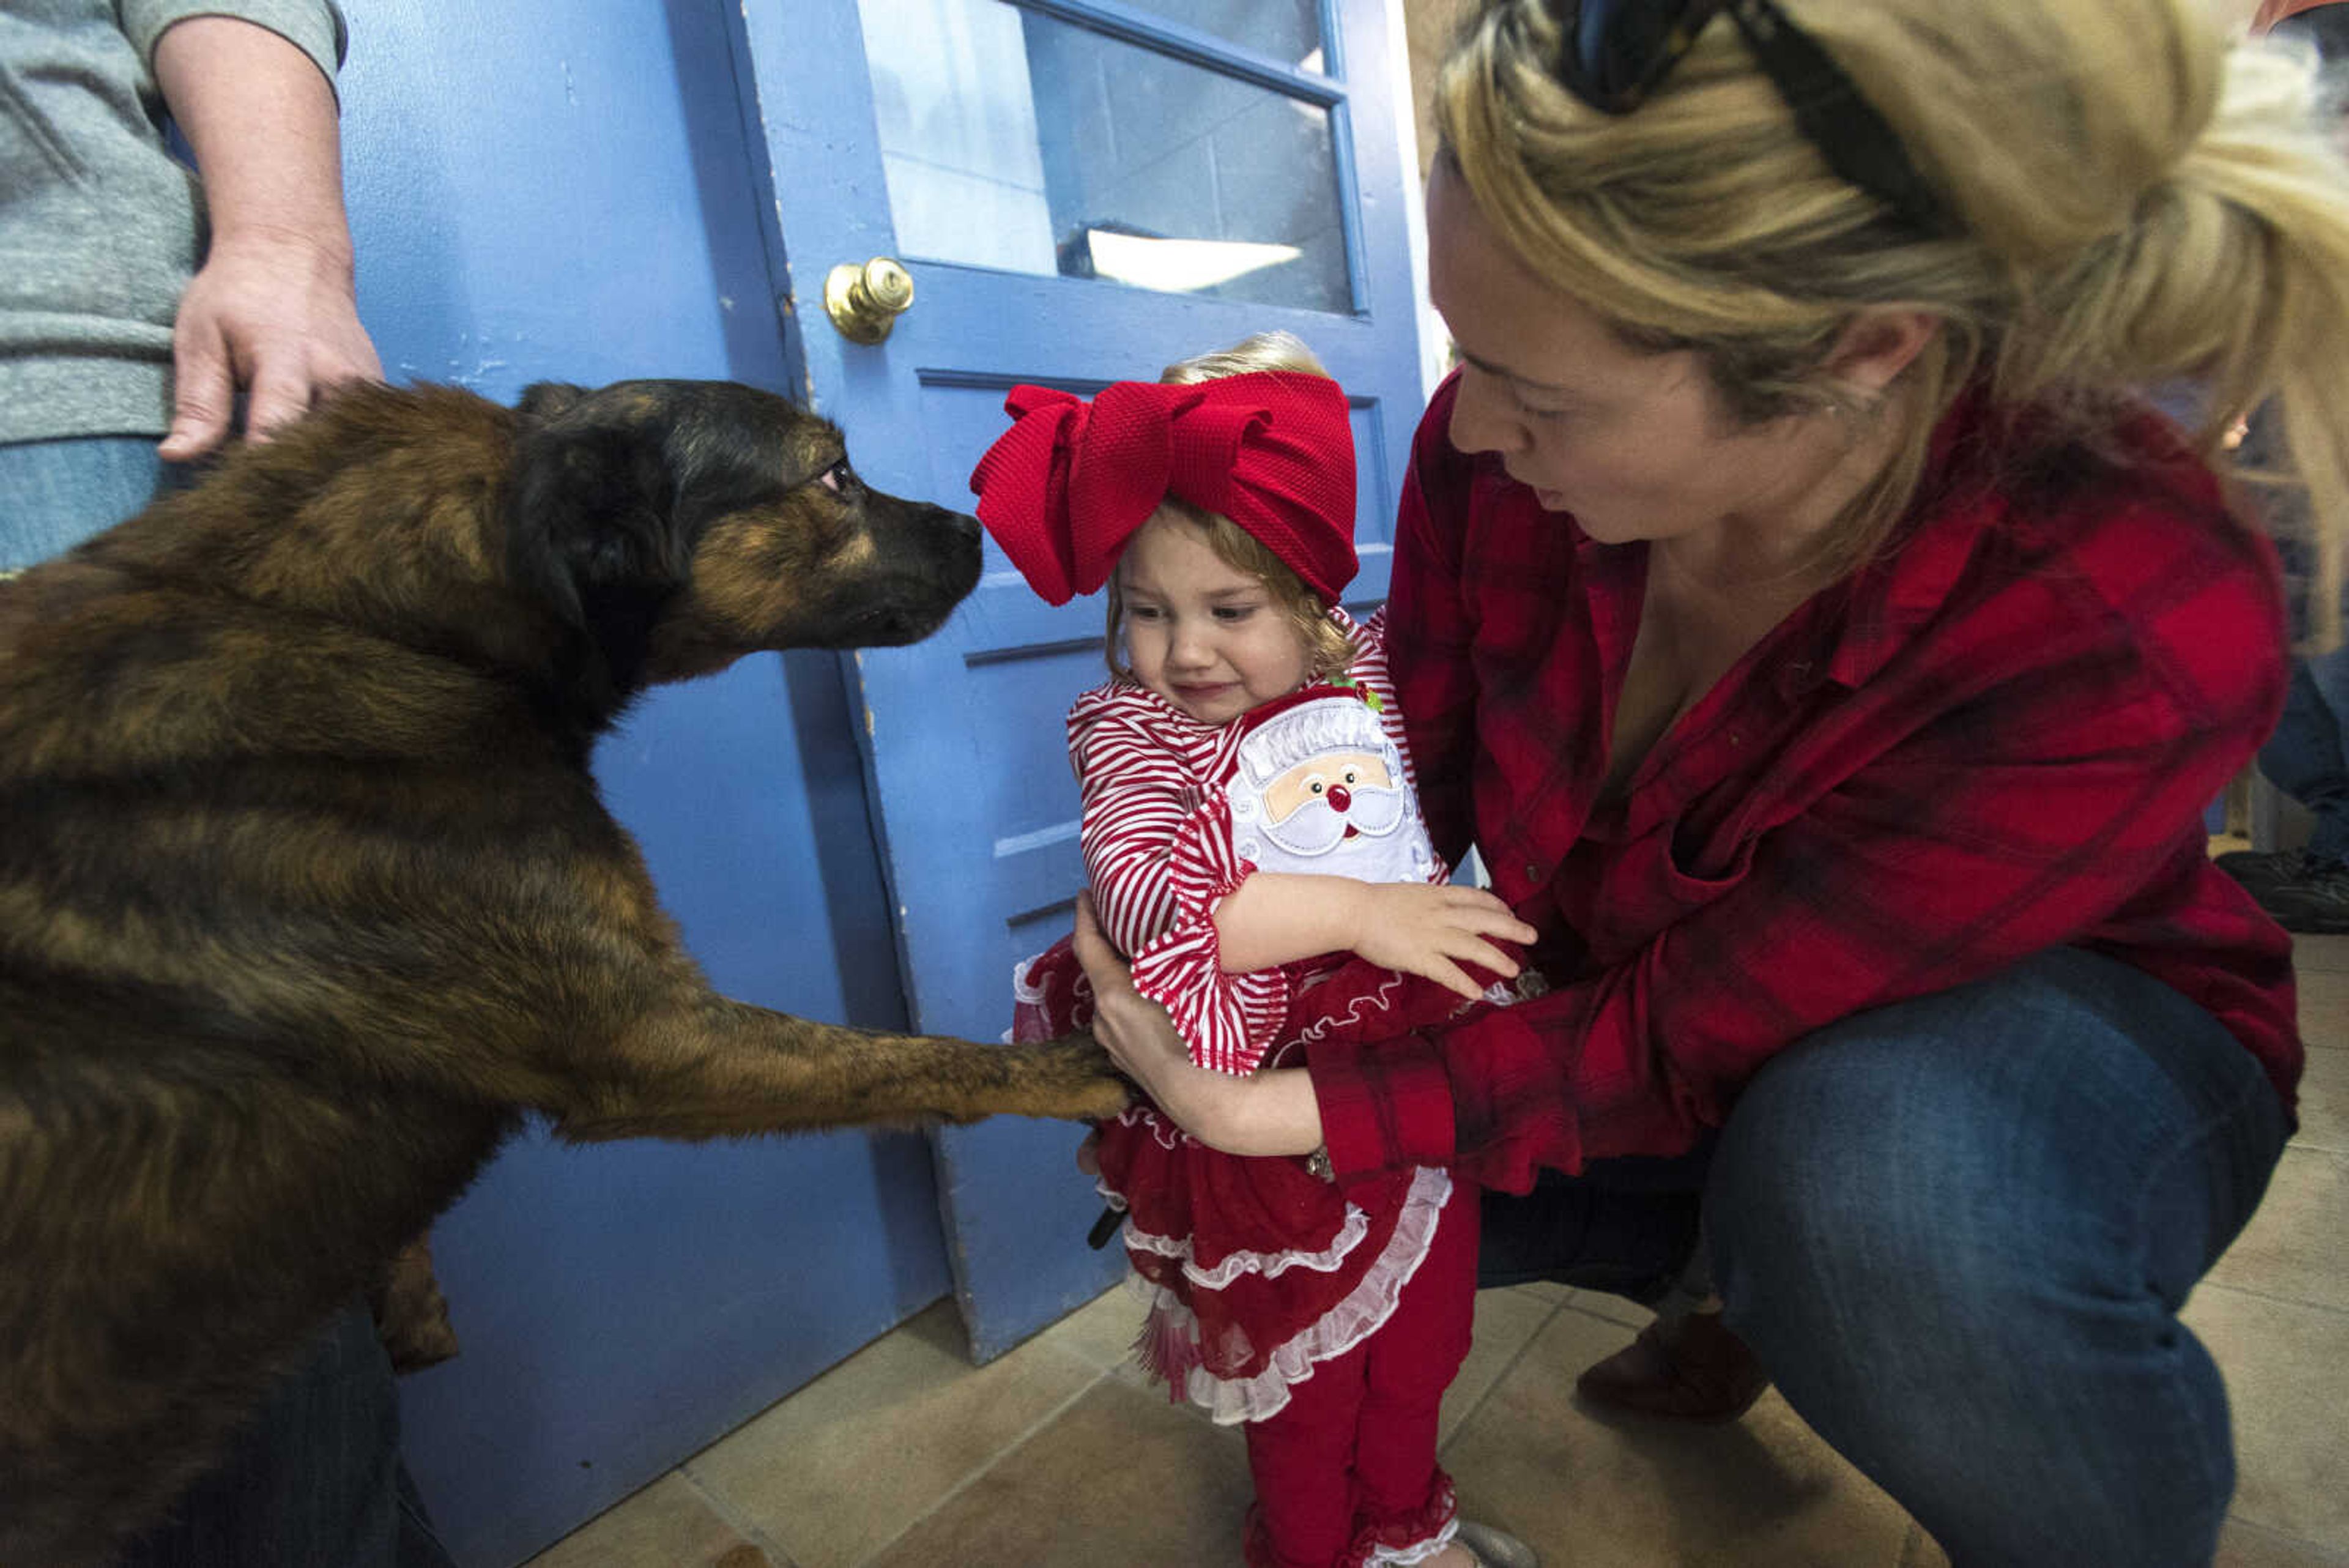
314, 26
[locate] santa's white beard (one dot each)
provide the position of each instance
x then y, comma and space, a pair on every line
1312, 839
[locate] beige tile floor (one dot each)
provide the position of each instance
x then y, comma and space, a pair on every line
905, 1456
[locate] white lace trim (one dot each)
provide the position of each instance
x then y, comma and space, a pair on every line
1404, 1557
1500, 993
1229, 1401
1350, 1232
1361, 1007
1165, 1134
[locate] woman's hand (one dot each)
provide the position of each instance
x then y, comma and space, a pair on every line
1269, 1114
1431, 929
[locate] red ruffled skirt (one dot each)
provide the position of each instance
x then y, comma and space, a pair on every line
1256, 1268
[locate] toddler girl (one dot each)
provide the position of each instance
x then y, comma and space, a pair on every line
1253, 842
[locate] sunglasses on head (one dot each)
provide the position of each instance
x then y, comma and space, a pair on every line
1618, 50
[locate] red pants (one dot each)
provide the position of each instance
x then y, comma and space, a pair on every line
1348, 1464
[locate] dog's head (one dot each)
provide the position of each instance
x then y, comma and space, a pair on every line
680, 524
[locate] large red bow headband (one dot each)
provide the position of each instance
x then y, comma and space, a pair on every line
1066, 486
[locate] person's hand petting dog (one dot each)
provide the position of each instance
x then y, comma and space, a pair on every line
273, 315
274, 310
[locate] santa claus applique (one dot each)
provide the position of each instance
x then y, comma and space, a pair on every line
1319, 788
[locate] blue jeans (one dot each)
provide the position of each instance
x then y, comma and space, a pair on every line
314, 1479
1957, 1233
55, 493
2308, 755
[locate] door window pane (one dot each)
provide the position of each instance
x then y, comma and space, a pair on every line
1288, 30
1021, 143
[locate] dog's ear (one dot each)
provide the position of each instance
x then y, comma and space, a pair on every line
544, 399
592, 534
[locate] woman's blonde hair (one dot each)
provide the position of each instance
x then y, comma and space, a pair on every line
2142, 206
1328, 650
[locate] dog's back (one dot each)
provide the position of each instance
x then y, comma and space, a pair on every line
225, 802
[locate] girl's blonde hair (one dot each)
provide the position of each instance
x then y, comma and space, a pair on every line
1330, 649
2142, 206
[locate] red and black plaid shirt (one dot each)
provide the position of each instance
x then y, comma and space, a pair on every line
1998, 738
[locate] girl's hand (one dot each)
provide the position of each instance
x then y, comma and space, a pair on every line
1431, 929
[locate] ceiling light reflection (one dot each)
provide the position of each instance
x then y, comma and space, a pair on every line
1181, 266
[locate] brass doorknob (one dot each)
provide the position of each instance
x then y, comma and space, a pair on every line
865, 301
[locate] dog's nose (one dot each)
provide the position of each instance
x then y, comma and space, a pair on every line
964, 525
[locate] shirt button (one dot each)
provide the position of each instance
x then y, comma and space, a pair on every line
1532, 872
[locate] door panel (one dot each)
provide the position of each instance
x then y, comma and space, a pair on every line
1062, 110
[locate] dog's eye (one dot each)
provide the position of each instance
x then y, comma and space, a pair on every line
839, 476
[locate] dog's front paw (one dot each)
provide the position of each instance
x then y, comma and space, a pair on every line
1099, 1088
1071, 1078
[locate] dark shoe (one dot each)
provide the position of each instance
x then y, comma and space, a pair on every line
1690, 1369
2318, 900
2262, 869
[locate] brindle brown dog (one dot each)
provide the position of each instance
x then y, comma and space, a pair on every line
306, 896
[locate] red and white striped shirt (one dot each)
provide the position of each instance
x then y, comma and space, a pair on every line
1159, 852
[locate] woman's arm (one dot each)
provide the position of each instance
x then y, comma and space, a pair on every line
2027, 821
1270, 1113
273, 310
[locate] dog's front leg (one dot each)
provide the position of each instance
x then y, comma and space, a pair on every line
716, 1068
412, 1316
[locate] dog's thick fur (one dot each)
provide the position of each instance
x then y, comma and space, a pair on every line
307, 897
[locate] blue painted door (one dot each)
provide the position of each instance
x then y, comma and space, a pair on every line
1083, 192
566, 189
